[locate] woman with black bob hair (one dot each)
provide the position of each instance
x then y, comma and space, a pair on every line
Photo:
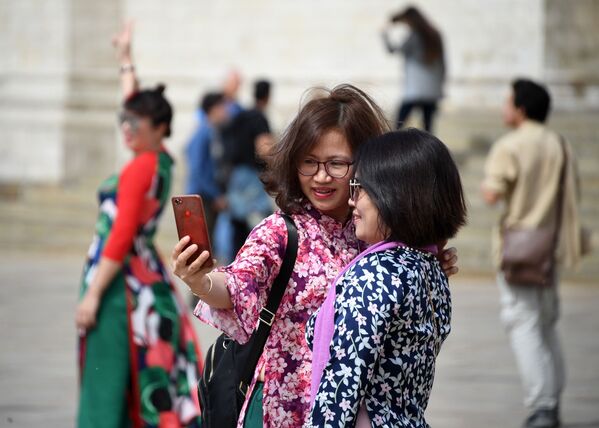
377, 335
138, 354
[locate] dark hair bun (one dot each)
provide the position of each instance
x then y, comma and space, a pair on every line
160, 88
151, 103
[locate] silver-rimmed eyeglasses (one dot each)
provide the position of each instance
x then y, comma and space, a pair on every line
354, 189
130, 119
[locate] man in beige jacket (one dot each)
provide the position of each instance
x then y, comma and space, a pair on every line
523, 169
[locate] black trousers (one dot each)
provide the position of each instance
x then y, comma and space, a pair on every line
428, 108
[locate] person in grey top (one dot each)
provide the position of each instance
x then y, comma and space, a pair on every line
424, 65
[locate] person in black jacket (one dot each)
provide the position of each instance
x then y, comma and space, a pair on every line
249, 203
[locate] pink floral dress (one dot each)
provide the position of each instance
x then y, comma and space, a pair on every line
325, 246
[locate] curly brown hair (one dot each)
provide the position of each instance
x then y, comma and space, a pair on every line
345, 109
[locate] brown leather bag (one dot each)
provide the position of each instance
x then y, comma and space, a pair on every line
528, 255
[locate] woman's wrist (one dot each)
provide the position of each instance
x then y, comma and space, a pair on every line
93, 291
204, 287
126, 67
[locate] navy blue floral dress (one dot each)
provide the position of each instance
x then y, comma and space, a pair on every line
392, 313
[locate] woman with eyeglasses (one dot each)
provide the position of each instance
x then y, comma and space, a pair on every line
308, 174
377, 335
139, 360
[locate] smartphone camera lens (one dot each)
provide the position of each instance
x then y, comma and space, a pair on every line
178, 201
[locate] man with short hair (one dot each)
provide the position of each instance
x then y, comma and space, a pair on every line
249, 202
524, 169
252, 129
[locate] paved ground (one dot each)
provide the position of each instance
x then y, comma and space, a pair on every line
476, 384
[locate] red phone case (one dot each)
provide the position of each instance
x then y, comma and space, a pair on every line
191, 221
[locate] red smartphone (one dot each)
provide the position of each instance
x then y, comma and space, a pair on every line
191, 221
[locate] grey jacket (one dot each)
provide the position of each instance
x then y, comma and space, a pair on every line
423, 82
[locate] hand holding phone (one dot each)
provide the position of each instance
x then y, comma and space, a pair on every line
191, 221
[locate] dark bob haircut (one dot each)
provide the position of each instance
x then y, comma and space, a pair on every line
533, 98
151, 103
345, 109
414, 183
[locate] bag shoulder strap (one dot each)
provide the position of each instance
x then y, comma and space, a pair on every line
559, 202
267, 314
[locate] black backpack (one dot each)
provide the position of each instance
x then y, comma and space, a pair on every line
229, 367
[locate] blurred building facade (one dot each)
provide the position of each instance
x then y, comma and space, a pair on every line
58, 74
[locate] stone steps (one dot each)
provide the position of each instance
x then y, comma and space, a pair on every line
61, 219
57, 219
470, 136
53, 232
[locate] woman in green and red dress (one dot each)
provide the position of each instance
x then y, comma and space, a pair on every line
139, 357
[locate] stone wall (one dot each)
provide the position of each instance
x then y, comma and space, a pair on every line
572, 51
304, 44
58, 77
92, 98
33, 68
57, 93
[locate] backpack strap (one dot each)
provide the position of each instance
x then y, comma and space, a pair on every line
267, 314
